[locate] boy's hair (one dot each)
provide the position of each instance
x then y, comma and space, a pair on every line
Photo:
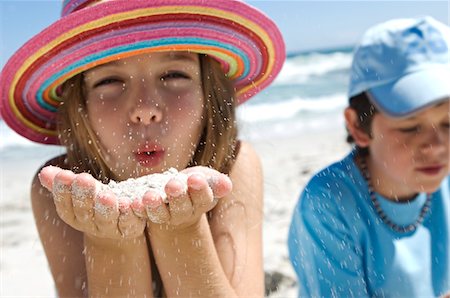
217, 147
365, 111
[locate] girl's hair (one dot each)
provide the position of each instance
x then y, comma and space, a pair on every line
217, 147
365, 110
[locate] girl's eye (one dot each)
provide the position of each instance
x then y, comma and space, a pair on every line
174, 75
106, 81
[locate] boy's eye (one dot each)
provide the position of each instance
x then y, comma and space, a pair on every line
411, 129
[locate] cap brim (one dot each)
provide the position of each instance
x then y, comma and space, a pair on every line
412, 93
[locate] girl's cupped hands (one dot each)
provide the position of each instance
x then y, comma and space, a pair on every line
92, 207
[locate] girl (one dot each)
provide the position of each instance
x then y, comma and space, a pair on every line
377, 223
132, 88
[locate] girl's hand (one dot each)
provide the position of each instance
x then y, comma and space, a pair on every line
85, 204
188, 199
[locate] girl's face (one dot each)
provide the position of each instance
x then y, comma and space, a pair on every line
410, 155
146, 111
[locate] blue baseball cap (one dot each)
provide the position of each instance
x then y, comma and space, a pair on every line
403, 65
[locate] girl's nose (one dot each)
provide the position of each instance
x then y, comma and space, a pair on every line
146, 114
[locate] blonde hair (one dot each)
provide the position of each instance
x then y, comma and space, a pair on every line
217, 147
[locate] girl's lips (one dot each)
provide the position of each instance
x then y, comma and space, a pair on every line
149, 158
149, 155
434, 170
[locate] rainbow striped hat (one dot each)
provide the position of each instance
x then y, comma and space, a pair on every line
245, 41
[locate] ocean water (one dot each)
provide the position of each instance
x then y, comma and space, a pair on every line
308, 95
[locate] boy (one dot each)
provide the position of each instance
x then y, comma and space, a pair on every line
377, 223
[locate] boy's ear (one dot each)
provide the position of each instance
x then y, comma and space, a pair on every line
362, 139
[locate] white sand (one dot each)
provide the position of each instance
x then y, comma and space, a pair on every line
136, 188
287, 163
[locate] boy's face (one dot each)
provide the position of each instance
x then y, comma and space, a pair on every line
410, 155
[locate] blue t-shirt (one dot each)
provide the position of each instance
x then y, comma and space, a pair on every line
339, 246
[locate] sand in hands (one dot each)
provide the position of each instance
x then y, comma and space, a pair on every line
135, 188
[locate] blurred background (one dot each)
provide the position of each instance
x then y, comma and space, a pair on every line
296, 125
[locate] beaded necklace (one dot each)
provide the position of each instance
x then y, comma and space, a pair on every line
397, 228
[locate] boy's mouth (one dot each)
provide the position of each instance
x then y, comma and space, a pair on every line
432, 170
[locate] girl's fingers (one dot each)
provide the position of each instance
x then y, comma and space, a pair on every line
156, 209
180, 205
200, 193
47, 175
138, 208
62, 195
84, 189
106, 213
220, 184
80, 204
129, 224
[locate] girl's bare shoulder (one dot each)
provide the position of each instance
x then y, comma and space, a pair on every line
247, 161
246, 176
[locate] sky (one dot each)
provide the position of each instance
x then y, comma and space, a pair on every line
306, 25
310, 25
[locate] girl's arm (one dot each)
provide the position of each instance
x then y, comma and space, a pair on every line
118, 267
115, 261
62, 244
237, 224
223, 257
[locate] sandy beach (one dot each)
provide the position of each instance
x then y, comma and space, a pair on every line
288, 164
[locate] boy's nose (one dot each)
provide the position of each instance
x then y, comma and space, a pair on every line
436, 141
146, 114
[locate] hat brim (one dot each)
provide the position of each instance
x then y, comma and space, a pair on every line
244, 40
412, 93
